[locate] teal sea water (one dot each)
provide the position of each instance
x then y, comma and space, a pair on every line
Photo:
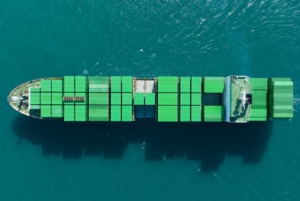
42, 160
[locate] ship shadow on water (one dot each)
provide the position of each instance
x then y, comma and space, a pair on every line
208, 143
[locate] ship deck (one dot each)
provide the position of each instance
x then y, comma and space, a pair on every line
19, 96
236, 99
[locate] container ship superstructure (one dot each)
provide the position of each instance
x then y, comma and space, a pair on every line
233, 99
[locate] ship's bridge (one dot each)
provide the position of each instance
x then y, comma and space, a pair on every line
237, 99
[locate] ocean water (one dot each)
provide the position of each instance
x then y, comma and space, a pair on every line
144, 160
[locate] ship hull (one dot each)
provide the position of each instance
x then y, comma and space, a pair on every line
233, 99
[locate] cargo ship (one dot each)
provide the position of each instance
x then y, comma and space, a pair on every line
233, 99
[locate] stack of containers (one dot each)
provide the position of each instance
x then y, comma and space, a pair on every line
196, 99
167, 99
139, 92
98, 98
45, 98
127, 86
57, 97
69, 91
34, 98
214, 84
149, 95
149, 98
139, 98
115, 100
259, 87
213, 113
81, 91
185, 99
145, 97
281, 98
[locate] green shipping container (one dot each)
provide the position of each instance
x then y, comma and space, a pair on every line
115, 84
80, 84
115, 99
168, 84
69, 84
126, 99
150, 98
196, 113
196, 84
35, 98
196, 99
57, 98
45, 85
259, 84
69, 113
57, 111
98, 98
139, 99
167, 99
185, 99
213, 113
80, 113
167, 114
185, 84
98, 84
45, 98
185, 113
127, 113
101, 89
258, 114
115, 113
57, 86
127, 84
214, 84
45, 111
98, 113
